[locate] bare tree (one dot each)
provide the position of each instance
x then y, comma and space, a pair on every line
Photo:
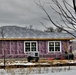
2, 32
74, 4
50, 29
59, 30
66, 15
2, 35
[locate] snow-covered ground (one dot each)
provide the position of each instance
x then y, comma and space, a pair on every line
40, 71
66, 70
30, 63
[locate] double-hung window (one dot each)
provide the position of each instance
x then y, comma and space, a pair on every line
54, 46
30, 46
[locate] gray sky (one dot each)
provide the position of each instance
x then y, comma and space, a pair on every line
24, 13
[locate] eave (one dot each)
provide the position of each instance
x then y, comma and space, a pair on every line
36, 39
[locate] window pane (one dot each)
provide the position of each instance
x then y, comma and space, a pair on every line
27, 46
51, 43
51, 48
57, 48
33, 49
27, 49
33, 46
57, 43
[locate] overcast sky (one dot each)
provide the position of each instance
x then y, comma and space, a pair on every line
24, 13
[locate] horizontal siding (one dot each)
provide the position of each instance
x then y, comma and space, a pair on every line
15, 49
43, 49
12, 49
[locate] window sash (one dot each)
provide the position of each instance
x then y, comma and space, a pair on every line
56, 46
32, 46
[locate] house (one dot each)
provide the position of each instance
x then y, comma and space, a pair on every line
16, 42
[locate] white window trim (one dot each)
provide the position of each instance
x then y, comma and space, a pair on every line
30, 44
54, 46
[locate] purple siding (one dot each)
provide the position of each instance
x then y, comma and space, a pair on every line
0, 47
12, 48
65, 46
73, 46
16, 49
42, 47
20, 47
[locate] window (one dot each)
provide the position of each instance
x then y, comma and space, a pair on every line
54, 46
30, 46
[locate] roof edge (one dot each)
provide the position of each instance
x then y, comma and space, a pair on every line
34, 39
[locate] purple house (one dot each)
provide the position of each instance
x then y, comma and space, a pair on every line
16, 42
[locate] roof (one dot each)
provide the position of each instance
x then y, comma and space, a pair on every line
22, 33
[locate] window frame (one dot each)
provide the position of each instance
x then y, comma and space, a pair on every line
54, 46
30, 46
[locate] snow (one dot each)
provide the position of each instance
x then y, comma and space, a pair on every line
65, 70
22, 63
19, 63
40, 71
30, 63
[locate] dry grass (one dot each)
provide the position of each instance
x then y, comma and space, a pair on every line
54, 61
48, 62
